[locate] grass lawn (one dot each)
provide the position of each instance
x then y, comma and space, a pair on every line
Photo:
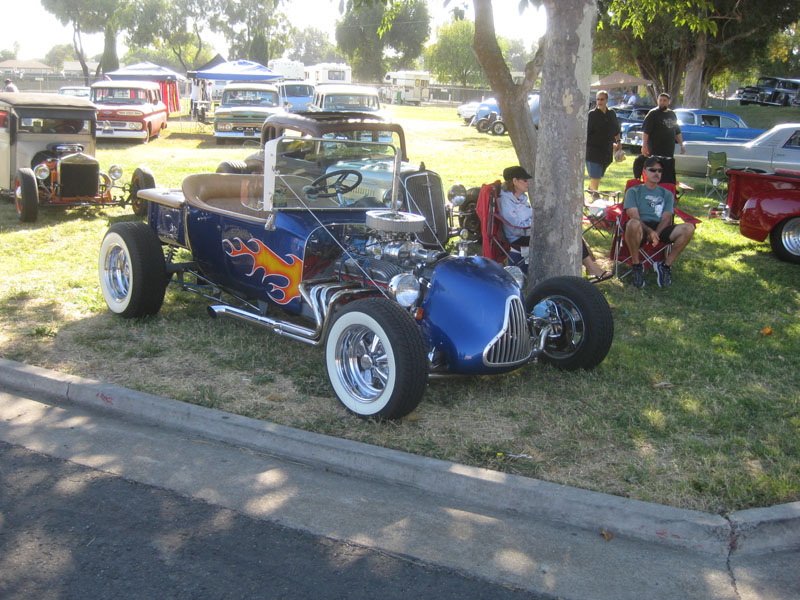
697, 404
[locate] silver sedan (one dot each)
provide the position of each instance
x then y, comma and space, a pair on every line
778, 148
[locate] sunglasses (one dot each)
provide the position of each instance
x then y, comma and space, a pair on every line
655, 170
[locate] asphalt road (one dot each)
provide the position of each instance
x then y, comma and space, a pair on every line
68, 531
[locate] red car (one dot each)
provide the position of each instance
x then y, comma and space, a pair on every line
768, 204
129, 110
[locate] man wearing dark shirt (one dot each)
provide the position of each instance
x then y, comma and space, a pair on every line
661, 131
602, 132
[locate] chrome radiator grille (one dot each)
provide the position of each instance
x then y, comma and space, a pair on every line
513, 344
425, 197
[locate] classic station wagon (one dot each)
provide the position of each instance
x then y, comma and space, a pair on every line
130, 110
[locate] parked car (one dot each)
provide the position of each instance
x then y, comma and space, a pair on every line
295, 96
489, 119
768, 205
700, 125
47, 145
244, 108
131, 110
74, 90
420, 189
345, 98
466, 112
304, 251
777, 148
774, 91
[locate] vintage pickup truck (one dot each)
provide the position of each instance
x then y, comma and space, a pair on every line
768, 204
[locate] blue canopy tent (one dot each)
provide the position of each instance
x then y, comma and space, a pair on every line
239, 70
147, 71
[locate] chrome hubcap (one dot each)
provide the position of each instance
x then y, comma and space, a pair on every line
362, 363
790, 237
117, 273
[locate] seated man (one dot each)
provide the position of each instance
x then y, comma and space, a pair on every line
515, 210
650, 210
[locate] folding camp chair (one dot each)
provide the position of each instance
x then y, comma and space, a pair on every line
595, 207
717, 182
649, 253
494, 243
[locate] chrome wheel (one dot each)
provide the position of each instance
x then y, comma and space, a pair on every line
362, 363
790, 236
117, 273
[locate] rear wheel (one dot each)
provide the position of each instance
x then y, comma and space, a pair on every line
785, 240
376, 359
582, 327
133, 274
26, 195
482, 125
142, 179
238, 167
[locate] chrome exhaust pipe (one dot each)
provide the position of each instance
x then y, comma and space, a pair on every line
297, 332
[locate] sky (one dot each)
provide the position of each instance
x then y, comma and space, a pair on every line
36, 30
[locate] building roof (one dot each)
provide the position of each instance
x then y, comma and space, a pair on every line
25, 65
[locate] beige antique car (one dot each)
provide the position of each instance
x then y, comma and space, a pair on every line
47, 146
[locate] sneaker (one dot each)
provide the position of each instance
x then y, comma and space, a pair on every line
664, 274
638, 276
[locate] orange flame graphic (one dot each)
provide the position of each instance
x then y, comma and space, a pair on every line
272, 265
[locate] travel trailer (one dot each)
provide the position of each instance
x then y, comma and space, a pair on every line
328, 73
407, 87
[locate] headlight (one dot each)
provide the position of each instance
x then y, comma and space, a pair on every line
115, 172
405, 289
457, 194
224, 126
41, 171
518, 275
136, 126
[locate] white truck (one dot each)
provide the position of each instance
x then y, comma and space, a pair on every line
407, 87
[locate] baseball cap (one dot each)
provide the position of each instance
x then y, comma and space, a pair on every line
515, 172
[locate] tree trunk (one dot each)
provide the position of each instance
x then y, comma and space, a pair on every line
110, 61
77, 44
558, 188
694, 88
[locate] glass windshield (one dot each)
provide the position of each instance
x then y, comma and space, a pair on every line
102, 95
314, 173
298, 90
48, 125
354, 102
250, 98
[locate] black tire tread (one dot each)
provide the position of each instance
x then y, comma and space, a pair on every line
409, 351
147, 265
29, 211
776, 242
596, 313
238, 167
142, 179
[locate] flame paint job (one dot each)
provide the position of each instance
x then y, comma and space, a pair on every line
271, 265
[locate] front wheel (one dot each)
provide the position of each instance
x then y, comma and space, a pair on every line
482, 125
133, 274
376, 359
142, 179
582, 327
785, 240
498, 128
26, 195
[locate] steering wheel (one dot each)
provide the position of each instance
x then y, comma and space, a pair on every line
320, 185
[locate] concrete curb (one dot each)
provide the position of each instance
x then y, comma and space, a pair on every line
745, 532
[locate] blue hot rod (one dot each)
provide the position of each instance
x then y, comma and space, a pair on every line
316, 249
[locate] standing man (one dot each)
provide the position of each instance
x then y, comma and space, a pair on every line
9, 86
602, 132
661, 131
650, 210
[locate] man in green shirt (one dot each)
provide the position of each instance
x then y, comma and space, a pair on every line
650, 210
